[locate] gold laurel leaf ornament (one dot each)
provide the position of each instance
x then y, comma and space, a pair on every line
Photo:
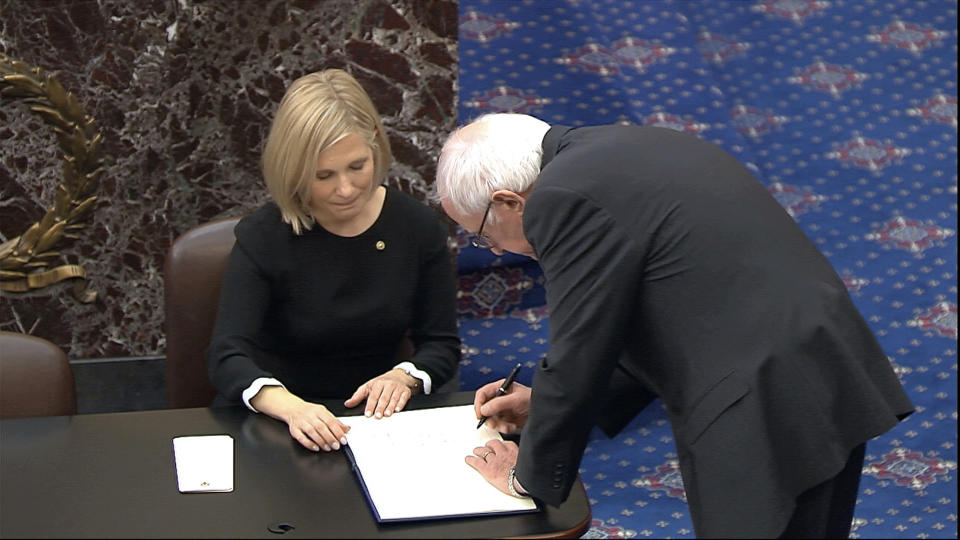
25, 260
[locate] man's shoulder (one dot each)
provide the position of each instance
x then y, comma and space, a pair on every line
626, 135
599, 152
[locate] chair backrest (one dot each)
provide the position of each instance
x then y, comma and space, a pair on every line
192, 273
35, 378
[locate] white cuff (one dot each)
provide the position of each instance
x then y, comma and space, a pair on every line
520, 488
413, 371
255, 387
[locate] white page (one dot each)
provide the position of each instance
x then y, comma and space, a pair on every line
412, 464
204, 463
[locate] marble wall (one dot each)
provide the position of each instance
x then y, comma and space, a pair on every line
182, 93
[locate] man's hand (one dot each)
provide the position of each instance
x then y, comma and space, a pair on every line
507, 413
493, 461
385, 394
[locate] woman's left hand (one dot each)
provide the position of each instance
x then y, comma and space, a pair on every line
385, 394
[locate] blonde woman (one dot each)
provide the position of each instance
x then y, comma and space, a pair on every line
326, 281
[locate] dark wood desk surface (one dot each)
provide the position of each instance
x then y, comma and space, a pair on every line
112, 475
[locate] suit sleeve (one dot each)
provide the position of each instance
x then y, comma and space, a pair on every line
593, 271
435, 335
244, 298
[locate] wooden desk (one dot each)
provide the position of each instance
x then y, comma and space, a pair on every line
112, 475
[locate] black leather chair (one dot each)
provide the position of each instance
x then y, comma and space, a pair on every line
192, 272
35, 378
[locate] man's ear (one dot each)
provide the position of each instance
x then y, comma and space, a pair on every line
513, 201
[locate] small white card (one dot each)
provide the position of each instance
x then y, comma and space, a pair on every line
204, 463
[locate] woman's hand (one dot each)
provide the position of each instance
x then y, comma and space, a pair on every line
315, 427
385, 394
311, 424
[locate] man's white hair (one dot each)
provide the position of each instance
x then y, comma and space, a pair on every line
499, 151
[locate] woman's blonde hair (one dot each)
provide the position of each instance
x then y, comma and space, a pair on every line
317, 111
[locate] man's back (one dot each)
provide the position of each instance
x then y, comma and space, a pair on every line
668, 250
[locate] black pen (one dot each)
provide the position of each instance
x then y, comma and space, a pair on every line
503, 388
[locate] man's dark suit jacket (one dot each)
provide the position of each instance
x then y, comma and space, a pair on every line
671, 271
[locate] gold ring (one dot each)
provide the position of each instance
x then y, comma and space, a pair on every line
487, 453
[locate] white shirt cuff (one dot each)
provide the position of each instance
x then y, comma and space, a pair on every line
422, 375
519, 487
255, 387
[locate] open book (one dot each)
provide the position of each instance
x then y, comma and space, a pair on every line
411, 465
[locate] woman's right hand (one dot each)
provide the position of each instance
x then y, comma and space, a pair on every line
311, 424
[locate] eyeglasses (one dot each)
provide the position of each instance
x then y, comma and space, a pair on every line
478, 240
